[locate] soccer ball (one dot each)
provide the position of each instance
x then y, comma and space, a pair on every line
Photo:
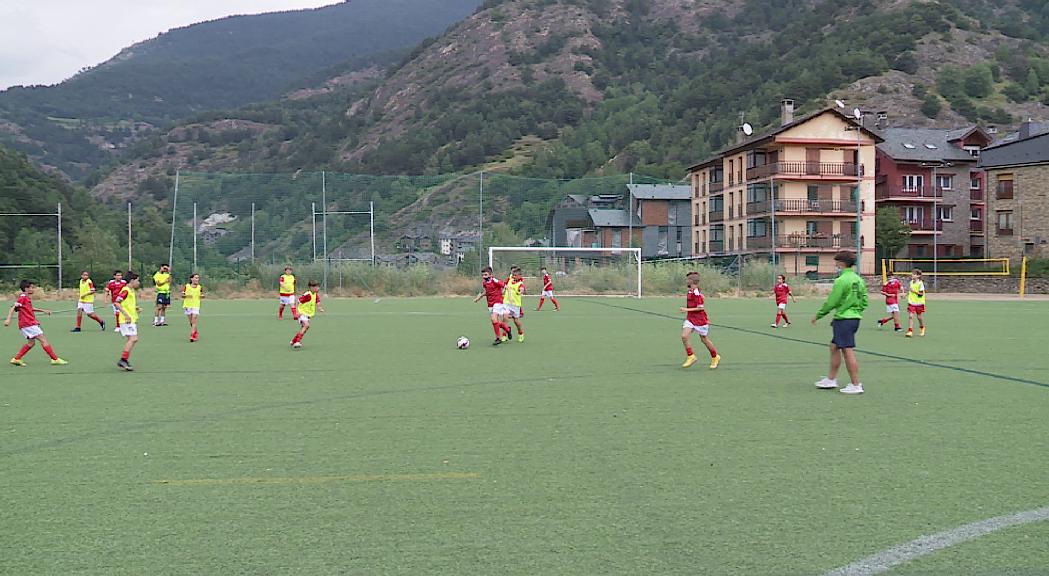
462, 343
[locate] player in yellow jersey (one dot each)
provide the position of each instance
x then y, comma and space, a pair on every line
162, 280
127, 305
192, 294
916, 303
286, 287
309, 305
86, 302
515, 287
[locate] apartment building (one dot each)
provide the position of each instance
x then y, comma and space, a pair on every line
798, 193
1018, 199
932, 179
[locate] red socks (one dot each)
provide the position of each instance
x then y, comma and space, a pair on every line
125, 355
280, 312
497, 328
556, 305
118, 320
297, 338
78, 318
51, 352
294, 313
713, 352
25, 350
784, 315
540, 306
688, 350
506, 328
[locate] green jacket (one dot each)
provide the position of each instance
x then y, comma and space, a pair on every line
848, 297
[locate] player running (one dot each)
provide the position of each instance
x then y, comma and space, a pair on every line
286, 287
113, 287
781, 290
28, 325
548, 291
127, 303
696, 321
515, 287
492, 291
848, 300
916, 304
192, 293
162, 280
891, 290
86, 303
309, 305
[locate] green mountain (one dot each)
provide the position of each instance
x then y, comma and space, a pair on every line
77, 125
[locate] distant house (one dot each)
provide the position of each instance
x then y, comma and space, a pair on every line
1018, 195
665, 212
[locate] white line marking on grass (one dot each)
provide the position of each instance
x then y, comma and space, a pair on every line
321, 479
888, 559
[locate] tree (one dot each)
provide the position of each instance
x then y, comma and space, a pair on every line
890, 232
978, 81
931, 106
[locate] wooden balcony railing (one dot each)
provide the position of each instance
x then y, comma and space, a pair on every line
904, 192
803, 168
976, 195
1004, 231
716, 187
717, 245
801, 241
924, 225
716, 215
976, 226
803, 205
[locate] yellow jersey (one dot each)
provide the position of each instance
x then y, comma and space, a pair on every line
513, 292
87, 291
162, 280
129, 304
916, 294
191, 296
287, 284
308, 303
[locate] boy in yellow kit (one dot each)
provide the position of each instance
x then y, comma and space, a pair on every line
192, 294
86, 303
515, 287
916, 304
162, 280
309, 304
286, 286
127, 306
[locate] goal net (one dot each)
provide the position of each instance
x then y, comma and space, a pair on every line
949, 267
573, 271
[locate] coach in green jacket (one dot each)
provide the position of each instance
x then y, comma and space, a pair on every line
848, 299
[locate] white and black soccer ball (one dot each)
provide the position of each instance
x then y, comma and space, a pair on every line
462, 343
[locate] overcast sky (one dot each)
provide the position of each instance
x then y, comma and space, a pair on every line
47, 41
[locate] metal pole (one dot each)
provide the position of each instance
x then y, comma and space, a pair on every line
252, 232
772, 231
313, 220
194, 269
59, 245
371, 227
859, 199
630, 210
480, 225
174, 205
324, 225
129, 235
935, 230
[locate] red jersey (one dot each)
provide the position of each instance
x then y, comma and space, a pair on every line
114, 287
493, 290
892, 289
548, 284
782, 291
26, 316
694, 299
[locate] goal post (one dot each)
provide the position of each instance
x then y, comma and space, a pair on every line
573, 267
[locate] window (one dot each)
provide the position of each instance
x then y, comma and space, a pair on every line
912, 214
812, 260
811, 227
1005, 223
945, 213
813, 192
1005, 187
974, 214
973, 151
617, 238
717, 204
756, 158
913, 182
917, 250
944, 181
757, 193
974, 184
717, 233
757, 228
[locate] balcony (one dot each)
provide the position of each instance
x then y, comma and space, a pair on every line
924, 225
801, 205
716, 187
976, 195
905, 193
716, 215
800, 241
717, 246
1004, 231
976, 227
798, 168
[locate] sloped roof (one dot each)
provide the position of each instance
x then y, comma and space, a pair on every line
1037, 128
922, 145
660, 191
1033, 150
611, 218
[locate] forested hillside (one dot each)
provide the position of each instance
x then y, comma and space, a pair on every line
79, 124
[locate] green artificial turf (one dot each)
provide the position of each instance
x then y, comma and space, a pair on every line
379, 448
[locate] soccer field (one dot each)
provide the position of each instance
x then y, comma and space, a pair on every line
379, 448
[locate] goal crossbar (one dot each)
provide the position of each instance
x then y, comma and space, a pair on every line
554, 250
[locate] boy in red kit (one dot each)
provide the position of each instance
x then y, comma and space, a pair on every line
696, 321
28, 325
113, 287
492, 290
782, 290
891, 290
548, 291
309, 305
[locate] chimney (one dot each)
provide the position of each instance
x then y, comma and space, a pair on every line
1025, 129
788, 111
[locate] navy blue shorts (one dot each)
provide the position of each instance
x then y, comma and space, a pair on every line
845, 332
164, 299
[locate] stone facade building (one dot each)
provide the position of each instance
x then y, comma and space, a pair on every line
1018, 199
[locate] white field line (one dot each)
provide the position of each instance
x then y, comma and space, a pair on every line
887, 559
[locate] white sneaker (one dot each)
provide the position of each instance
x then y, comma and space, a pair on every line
852, 389
827, 384
773, 326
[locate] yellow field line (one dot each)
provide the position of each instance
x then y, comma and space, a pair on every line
321, 479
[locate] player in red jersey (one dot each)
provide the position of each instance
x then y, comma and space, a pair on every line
696, 321
492, 290
781, 291
28, 325
548, 291
891, 290
113, 288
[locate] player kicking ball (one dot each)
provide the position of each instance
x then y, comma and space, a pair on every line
309, 305
192, 293
492, 292
127, 304
86, 303
28, 325
696, 321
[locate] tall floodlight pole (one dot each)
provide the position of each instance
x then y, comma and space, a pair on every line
480, 223
371, 227
129, 236
194, 237
630, 210
174, 206
59, 245
324, 225
772, 228
313, 224
252, 232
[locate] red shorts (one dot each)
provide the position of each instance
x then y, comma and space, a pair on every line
916, 308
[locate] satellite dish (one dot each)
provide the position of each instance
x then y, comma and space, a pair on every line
747, 128
857, 114
840, 103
